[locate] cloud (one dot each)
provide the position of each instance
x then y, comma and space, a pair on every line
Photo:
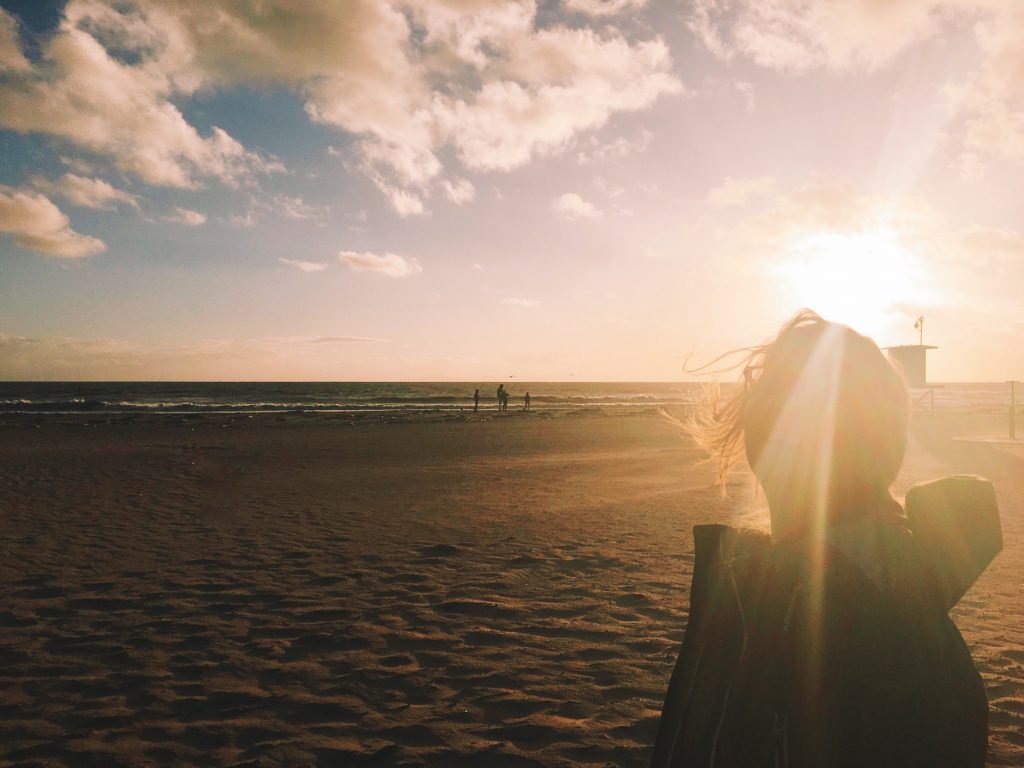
389, 264
304, 266
572, 206
86, 192
736, 192
558, 83
34, 358
986, 104
187, 217
295, 208
119, 107
603, 7
614, 150
459, 191
404, 202
989, 104
522, 303
346, 340
820, 204
39, 225
408, 78
746, 90
987, 247
11, 57
248, 219
797, 35
864, 250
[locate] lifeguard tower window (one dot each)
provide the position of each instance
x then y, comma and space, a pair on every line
910, 358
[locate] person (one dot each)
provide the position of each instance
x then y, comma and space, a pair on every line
501, 396
828, 644
476, 400
504, 400
526, 402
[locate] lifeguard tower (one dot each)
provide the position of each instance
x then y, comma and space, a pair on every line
912, 358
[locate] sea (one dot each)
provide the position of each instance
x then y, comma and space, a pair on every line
399, 397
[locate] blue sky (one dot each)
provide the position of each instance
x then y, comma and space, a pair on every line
468, 189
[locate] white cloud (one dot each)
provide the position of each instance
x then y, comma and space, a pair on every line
990, 102
83, 94
295, 208
614, 150
797, 35
11, 57
86, 192
39, 225
986, 104
404, 202
407, 77
558, 83
304, 266
459, 191
746, 90
511, 90
187, 217
603, 7
572, 206
521, 303
389, 264
736, 192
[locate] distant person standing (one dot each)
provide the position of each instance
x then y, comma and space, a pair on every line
526, 402
476, 400
504, 400
501, 396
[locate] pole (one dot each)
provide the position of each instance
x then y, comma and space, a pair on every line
1013, 410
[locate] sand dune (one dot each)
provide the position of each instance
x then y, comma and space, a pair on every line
298, 590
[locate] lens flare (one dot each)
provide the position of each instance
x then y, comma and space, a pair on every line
805, 427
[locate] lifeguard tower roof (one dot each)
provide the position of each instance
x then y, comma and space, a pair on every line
911, 359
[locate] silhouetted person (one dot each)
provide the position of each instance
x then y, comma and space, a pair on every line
504, 400
476, 400
501, 396
526, 402
828, 644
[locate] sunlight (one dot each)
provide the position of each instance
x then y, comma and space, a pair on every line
805, 426
861, 279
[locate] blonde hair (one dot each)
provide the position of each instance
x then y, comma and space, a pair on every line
871, 404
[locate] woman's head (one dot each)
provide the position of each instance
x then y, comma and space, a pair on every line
821, 415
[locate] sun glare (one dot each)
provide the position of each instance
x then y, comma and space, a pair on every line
861, 279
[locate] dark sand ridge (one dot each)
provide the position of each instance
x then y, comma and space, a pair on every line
295, 590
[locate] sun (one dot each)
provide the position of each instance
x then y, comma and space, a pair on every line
863, 279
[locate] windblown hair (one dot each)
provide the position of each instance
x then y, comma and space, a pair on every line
871, 411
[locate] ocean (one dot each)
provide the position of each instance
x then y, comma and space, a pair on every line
259, 397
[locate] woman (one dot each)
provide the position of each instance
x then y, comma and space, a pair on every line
828, 644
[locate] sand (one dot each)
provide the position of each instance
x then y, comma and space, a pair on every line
303, 590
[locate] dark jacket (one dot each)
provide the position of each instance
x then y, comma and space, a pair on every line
842, 656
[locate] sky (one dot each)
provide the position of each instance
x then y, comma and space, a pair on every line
477, 189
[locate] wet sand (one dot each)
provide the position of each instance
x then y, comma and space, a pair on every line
304, 590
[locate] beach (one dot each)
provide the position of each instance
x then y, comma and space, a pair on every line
330, 589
